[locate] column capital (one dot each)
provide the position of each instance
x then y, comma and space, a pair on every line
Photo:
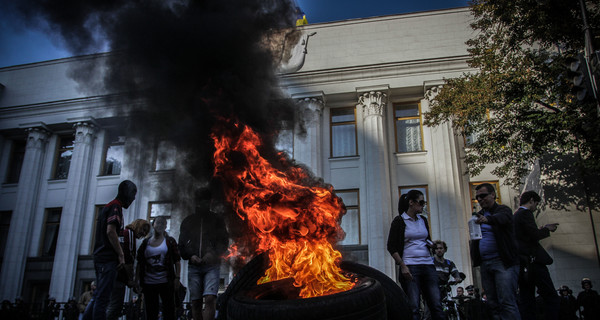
313, 104
84, 131
432, 92
373, 103
36, 137
432, 87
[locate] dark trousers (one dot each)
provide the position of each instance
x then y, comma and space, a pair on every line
538, 276
106, 273
117, 298
166, 293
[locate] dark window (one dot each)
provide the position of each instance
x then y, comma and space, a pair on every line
16, 161
343, 132
4, 227
39, 294
113, 155
63, 158
165, 156
50, 235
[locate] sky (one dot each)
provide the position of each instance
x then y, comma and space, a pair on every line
20, 44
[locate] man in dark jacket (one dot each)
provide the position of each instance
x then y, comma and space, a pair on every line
203, 239
108, 254
534, 258
497, 254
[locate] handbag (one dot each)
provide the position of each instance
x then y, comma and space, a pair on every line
180, 294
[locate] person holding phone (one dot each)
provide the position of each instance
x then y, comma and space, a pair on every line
534, 260
409, 243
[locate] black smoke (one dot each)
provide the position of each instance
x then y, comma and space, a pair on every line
176, 67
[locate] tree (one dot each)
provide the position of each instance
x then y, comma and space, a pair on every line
520, 102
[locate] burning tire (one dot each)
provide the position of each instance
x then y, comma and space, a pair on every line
272, 301
396, 299
244, 279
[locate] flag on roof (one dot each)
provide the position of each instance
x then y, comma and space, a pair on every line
300, 17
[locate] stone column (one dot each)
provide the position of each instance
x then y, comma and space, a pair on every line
19, 234
69, 237
376, 190
307, 148
449, 199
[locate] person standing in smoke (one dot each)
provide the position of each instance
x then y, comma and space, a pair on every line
108, 254
203, 239
158, 271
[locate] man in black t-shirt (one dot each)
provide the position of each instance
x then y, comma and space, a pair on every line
108, 254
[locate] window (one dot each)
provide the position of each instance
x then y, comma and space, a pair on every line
63, 157
165, 156
285, 142
408, 127
160, 208
113, 155
50, 234
343, 132
16, 161
39, 294
4, 227
472, 138
474, 204
422, 188
351, 220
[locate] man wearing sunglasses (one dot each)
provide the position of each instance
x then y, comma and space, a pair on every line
496, 253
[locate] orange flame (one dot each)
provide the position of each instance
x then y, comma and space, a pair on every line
295, 220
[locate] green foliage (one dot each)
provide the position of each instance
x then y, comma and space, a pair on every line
519, 102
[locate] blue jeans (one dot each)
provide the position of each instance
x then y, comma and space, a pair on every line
500, 286
425, 281
106, 273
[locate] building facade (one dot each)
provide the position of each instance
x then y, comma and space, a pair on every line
364, 84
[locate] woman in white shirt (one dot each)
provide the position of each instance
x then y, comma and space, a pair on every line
409, 244
158, 271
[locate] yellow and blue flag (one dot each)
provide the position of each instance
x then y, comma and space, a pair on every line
300, 17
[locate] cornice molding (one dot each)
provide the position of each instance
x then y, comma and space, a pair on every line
376, 71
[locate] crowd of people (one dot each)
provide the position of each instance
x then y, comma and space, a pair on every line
512, 263
156, 280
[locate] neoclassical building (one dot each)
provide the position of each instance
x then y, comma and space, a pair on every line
365, 83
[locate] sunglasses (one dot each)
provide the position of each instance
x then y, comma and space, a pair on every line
422, 203
481, 195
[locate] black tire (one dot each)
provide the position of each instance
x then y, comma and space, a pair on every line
366, 301
396, 300
246, 278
